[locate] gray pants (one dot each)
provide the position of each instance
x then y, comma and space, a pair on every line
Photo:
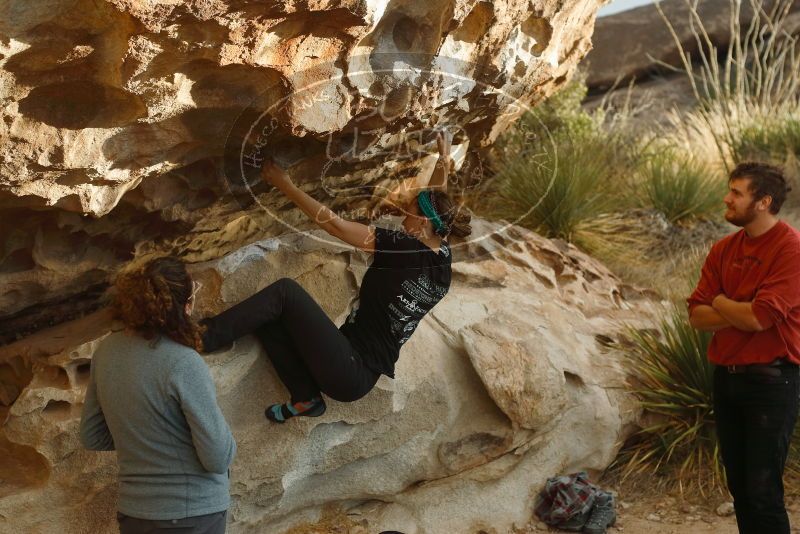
199, 524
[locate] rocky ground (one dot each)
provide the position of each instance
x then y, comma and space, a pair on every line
636, 514
652, 514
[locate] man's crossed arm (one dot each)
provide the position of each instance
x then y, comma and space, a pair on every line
723, 313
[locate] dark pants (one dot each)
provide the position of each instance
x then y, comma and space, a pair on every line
308, 351
755, 417
199, 524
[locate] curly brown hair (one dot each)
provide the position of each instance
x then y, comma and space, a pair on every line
152, 299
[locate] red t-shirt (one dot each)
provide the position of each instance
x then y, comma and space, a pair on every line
766, 271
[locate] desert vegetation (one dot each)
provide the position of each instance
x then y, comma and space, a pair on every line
647, 201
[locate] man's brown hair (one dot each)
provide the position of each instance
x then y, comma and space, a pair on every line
765, 180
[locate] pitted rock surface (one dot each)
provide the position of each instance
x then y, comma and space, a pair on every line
121, 121
512, 378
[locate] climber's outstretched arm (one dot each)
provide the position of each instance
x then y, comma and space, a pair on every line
356, 234
441, 173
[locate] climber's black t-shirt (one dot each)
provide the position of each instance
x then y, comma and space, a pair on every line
406, 279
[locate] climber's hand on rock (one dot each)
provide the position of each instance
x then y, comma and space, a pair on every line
443, 142
275, 176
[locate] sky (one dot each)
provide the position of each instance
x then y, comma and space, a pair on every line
621, 5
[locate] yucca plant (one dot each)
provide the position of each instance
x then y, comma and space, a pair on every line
567, 172
572, 179
673, 380
555, 189
680, 186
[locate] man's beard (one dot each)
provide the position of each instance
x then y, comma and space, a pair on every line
744, 219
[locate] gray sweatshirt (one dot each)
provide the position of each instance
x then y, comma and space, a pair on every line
157, 407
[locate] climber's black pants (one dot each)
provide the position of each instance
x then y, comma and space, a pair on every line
308, 351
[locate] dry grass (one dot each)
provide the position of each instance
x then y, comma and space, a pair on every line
651, 209
752, 83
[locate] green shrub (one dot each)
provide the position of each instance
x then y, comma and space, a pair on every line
771, 141
560, 115
572, 179
673, 380
560, 168
681, 187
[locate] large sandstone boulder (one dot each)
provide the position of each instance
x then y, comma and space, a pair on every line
512, 378
131, 124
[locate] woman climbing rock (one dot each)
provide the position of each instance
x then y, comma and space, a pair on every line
409, 274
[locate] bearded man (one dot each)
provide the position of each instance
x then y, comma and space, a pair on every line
749, 296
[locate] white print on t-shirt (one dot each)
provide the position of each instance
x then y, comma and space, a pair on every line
408, 329
410, 305
430, 285
398, 313
424, 290
406, 311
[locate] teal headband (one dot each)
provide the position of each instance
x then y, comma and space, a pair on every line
426, 205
